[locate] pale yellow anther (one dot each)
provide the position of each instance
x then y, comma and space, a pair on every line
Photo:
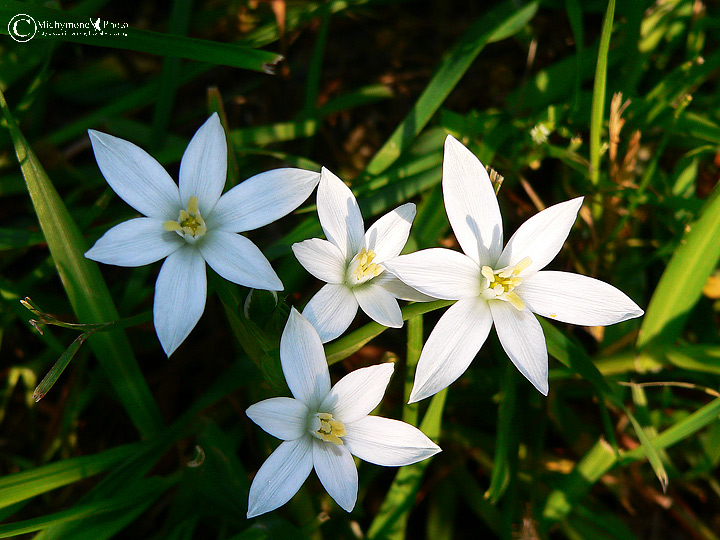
190, 224
193, 206
515, 301
362, 269
522, 265
330, 429
172, 226
499, 284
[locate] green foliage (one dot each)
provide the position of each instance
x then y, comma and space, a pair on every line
129, 444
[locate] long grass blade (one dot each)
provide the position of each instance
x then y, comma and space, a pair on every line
85, 288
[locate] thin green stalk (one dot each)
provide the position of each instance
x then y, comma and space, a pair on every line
598, 101
414, 348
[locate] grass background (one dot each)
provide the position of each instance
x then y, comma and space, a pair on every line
129, 444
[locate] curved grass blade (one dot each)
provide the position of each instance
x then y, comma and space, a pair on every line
84, 286
682, 281
151, 489
27, 484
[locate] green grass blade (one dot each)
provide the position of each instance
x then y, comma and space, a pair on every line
598, 101
58, 367
680, 431
27, 484
507, 441
150, 489
682, 281
226, 54
414, 348
595, 463
85, 288
392, 517
352, 342
499, 24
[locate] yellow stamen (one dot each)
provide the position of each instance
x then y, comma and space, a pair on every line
330, 429
499, 284
362, 269
190, 224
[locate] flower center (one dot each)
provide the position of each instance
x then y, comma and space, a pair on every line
499, 284
330, 429
362, 269
190, 224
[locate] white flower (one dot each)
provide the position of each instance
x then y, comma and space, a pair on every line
324, 427
351, 262
504, 286
191, 224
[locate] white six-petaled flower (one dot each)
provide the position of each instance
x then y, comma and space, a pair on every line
191, 224
351, 261
323, 427
504, 286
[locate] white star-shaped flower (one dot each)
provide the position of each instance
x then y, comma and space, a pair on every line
496, 285
351, 262
191, 224
324, 427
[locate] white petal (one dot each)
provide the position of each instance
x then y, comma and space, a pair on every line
282, 417
541, 237
399, 289
180, 294
358, 393
522, 338
203, 168
387, 442
331, 310
336, 470
378, 304
322, 259
135, 176
576, 299
339, 214
237, 259
303, 361
135, 242
280, 476
452, 345
471, 204
389, 234
262, 199
441, 273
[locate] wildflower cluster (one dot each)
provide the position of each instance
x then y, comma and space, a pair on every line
322, 427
